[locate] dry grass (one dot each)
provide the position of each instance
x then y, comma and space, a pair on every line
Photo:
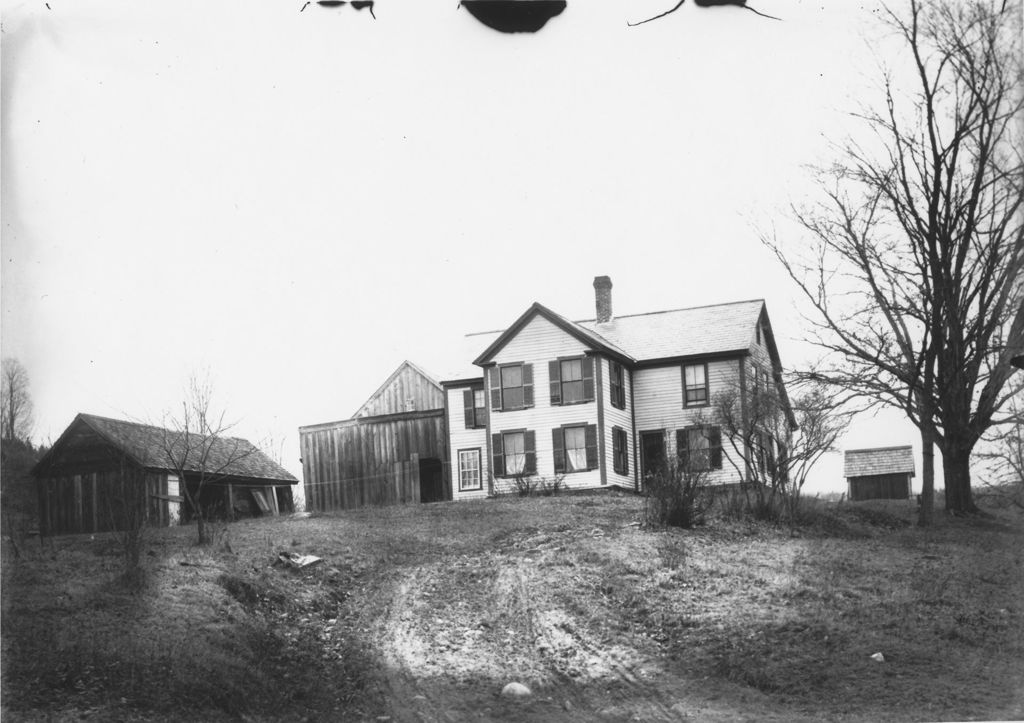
429, 610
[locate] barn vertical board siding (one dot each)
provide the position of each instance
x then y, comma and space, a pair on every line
356, 458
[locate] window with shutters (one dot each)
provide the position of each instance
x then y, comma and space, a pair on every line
695, 385
470, 477
474, 406
699, 448
511, 387
617, 385
620, 451
572, 380
514, 453
575, 448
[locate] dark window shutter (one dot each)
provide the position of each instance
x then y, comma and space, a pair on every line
591, 441
555, 375
558, 445
616, 450
495, 375
715, 439
527, 385
682, 448
588, 379
467, 408
625, 451
497, 456
530, 448
618, 392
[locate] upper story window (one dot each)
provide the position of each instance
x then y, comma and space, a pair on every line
511, 386
695, 385
572, 380
474, 406
616, 381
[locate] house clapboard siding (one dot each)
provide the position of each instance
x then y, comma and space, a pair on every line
468, 440
618, 418
659, 404
538, 343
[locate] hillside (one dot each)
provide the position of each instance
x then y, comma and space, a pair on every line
425, 613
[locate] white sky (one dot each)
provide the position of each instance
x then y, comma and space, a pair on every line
298, 201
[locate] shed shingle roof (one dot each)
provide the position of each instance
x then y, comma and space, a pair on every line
880, 460
144, 443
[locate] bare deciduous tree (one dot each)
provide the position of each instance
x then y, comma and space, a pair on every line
196, 445
774, 442
16, 402
916, 252
1002, 454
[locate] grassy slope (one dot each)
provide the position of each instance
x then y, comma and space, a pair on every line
425, 612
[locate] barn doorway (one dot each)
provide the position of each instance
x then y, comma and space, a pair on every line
431, 480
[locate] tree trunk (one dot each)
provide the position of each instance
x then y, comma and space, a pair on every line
956, 468
201, 526
924, 512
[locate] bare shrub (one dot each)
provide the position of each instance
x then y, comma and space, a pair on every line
677, 496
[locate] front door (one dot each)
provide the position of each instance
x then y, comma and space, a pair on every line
652, 453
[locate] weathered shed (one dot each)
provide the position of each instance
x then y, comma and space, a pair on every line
82, 479
393, 450
879, 473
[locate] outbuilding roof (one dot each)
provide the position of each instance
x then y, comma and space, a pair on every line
146, 444
879, 460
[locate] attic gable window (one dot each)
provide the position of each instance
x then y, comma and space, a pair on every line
695, 385
571, 380
511, 387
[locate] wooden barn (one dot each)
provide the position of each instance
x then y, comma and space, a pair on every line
879, 473
393, 450
98, 464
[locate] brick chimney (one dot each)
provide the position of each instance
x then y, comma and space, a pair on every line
603, 298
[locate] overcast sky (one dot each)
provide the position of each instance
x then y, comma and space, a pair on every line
298, 201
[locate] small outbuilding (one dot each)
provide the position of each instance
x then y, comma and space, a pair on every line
392, 450
98, 465
879, 473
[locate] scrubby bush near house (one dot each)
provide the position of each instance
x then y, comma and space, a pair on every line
530, 485
677, 496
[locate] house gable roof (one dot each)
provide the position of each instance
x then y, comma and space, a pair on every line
144, 444
581, 333
711, 330
879, 460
